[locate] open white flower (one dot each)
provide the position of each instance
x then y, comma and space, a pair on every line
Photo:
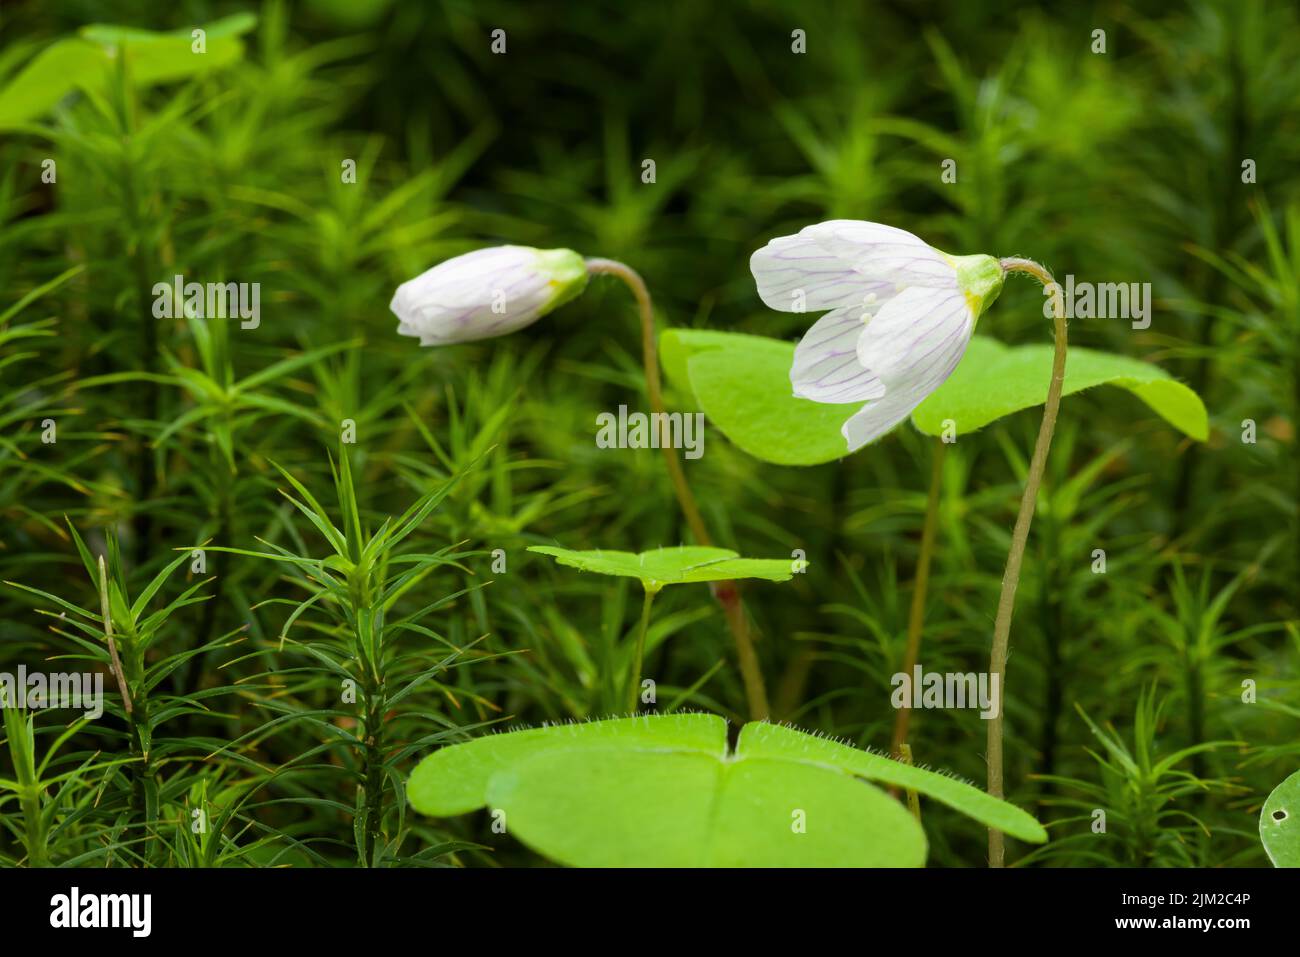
486, 293
901, 314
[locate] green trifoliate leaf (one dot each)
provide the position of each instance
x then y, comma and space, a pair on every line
774, 740
682, 809
672, 566
665, 791
455, 779
994, 380
1279, 823
742, 383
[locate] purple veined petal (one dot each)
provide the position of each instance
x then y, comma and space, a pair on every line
912, 345
467, 297
837, 263
826, 366
883, 253
909, 328
795, 274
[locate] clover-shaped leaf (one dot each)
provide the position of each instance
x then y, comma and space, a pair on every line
1279, 823
994, 380
742, 383
672, 566
665, 791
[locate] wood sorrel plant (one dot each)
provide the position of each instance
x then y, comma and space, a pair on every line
499, 290
901, 316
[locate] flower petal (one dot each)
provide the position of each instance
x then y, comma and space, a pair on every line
884, 253
796, 274
845, 262
912, 345
826, 366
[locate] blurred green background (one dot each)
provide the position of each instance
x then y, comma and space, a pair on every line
1122, 166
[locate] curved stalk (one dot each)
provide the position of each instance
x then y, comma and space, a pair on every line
726, 593
916, 615
1019, 536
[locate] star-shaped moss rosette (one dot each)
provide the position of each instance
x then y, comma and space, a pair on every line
666, 791
742, 383
1279, 823
682, 565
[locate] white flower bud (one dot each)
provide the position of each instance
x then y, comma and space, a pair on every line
486, 293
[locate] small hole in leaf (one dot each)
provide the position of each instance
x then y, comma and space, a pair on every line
1279, 815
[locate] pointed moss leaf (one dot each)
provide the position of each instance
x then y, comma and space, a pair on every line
663, 790
994, 380
620, 808
455, 779
672, 566
1279, 823
778, 741
742, 383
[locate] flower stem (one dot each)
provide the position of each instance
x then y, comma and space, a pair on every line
1019, 536
634, 682
725, 592
916, 616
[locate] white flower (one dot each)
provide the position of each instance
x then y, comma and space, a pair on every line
901, 314
486, 293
